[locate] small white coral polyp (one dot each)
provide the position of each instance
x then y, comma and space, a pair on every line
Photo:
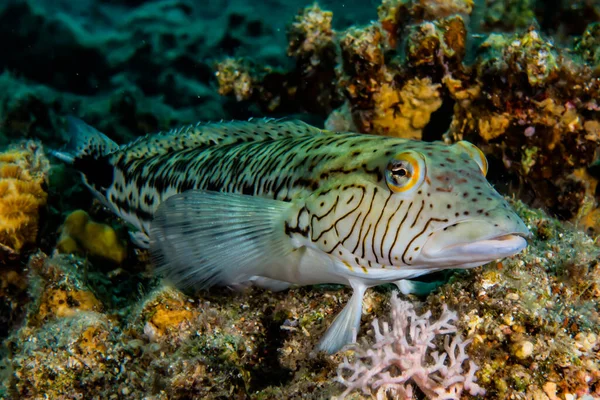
401, 356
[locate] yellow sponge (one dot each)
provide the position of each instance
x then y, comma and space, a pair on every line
80, 234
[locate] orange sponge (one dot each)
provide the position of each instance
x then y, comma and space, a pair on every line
23, 175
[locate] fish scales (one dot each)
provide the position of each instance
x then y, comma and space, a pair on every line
278, 169
276, 203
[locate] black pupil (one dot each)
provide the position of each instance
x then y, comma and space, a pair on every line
401, 172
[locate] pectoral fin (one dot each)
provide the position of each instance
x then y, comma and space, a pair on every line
345, 326
202, 238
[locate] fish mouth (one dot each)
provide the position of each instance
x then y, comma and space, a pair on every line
486, 249
475, 243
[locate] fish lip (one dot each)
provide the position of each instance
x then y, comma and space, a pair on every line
504, 238
482, 250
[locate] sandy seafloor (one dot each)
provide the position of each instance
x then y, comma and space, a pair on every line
99, 324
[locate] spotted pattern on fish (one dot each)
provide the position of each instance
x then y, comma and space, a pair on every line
277, 168
281, 202
287, 160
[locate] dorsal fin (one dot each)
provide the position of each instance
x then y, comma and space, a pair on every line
217, 133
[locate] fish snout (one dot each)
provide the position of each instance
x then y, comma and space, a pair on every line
491, 235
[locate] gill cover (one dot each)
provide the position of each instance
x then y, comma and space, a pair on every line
405, 172
476, 154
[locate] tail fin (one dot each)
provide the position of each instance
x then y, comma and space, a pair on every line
85, 142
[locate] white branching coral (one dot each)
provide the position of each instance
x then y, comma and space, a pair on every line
405, 354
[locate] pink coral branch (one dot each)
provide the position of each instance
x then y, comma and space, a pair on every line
401, 356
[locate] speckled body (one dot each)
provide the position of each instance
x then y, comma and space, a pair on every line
350, 208
278, 203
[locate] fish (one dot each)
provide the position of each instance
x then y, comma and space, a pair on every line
276, 203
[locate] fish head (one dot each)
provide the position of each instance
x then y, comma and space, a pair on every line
419, 206
457, 219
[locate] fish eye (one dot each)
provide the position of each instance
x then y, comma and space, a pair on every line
476, 154
405, 171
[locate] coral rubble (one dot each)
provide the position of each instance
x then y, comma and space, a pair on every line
532, 321
166, 344
61, 292
67, 357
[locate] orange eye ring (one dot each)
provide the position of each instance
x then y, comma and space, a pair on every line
476, 154
405, 172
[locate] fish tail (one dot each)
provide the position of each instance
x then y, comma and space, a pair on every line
88, 152
85, 143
